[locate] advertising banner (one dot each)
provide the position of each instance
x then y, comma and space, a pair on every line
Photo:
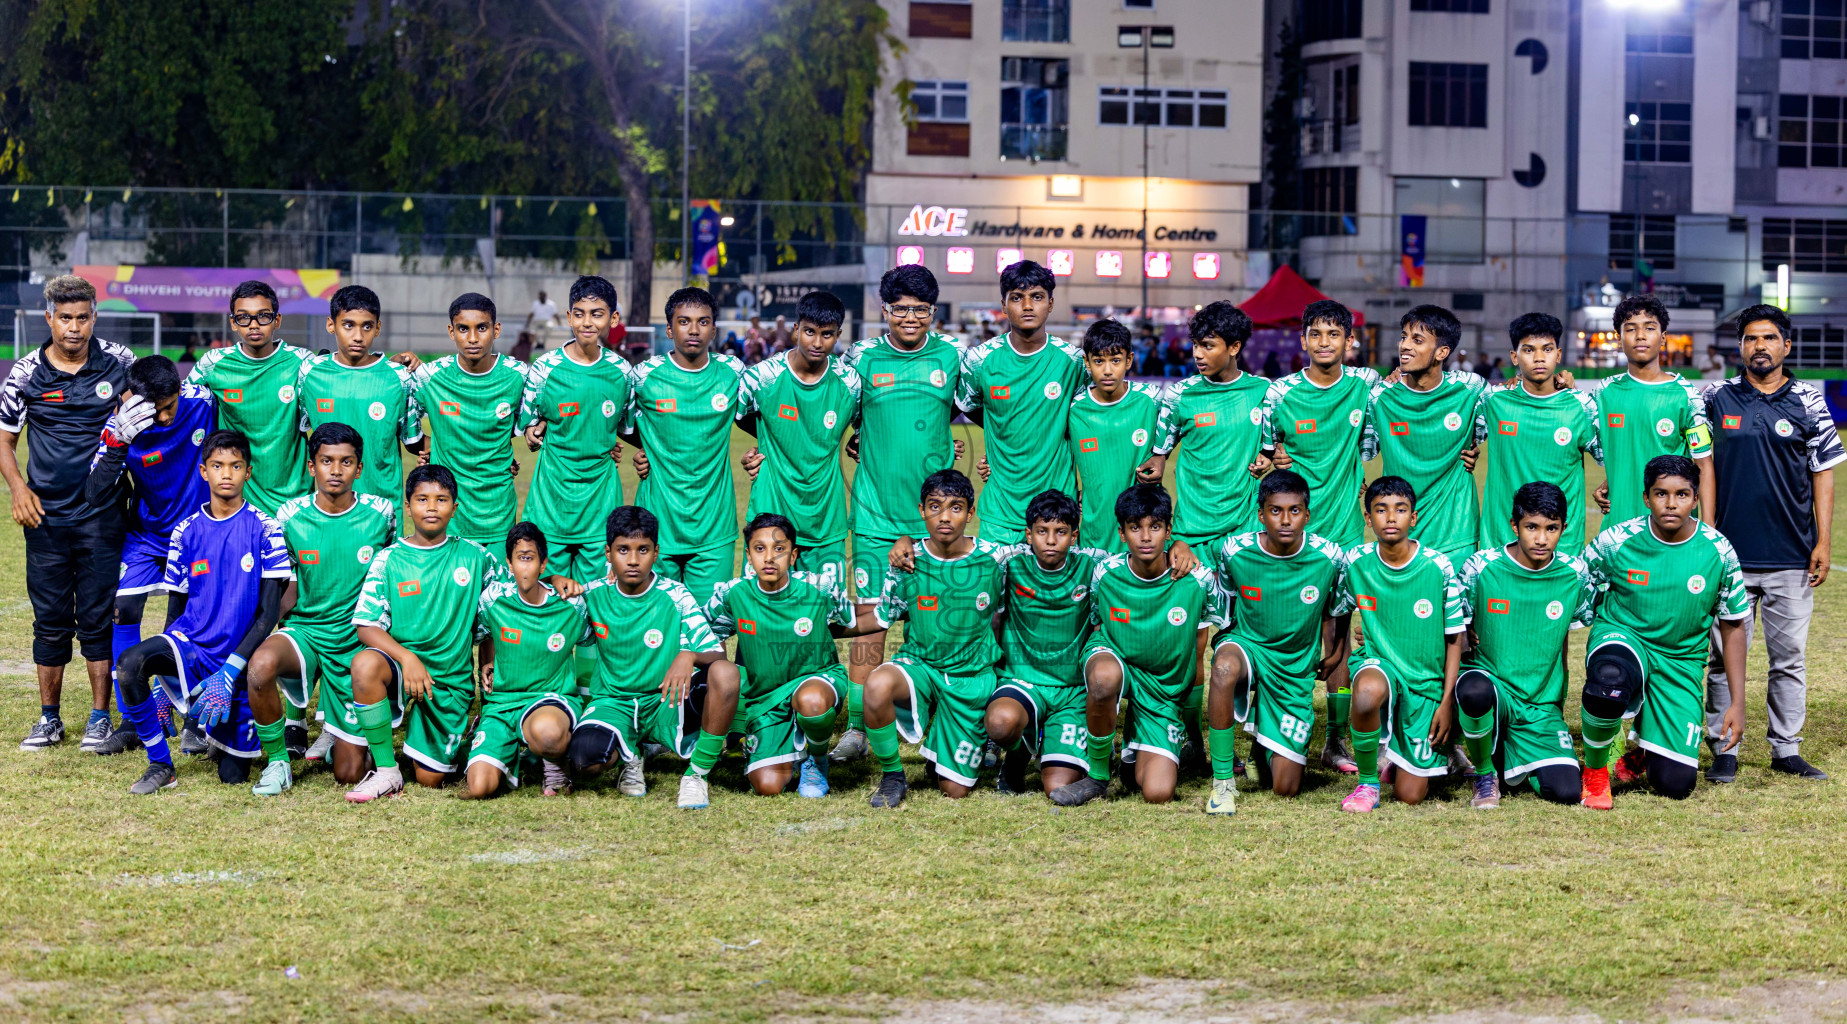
1411, 251
130, 289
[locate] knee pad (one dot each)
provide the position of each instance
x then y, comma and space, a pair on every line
1559, 783
1474, 694
1671, 778
129, 608
1611, 680
591, 747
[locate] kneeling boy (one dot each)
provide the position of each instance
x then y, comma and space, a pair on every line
785, 621
1282, 586
528, 679
935, 690
1144, 649
417, 619
1522, 601
226, 569
661, 676
1407, 646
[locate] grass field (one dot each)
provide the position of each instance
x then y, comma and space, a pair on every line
194, 905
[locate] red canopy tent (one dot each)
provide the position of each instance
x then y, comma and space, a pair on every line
1279, 303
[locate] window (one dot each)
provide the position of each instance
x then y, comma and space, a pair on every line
942, 19
1658, 133
1449, 95
1146, 5
1327, 194
1034, 108
1814, 29
1453, 6
1811, 131
1661, 33
1347, 94
1808, 246
1818, 346
1035, 21
1331, 19
940, 101
1655, 233
1455, 208
1170, 108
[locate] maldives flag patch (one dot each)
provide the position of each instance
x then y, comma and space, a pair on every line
323, 404
52, 396
234, 395
567, 409
666, 405
1204, 419
1251, 593
201, 567
151, 459
747, 626
1088, 444
999, 391
1732, 422
787, 412
1498, 606
410, 588
1368, 603
601, 630
884, 380
1509, 429
1024, 591
1616, 420
1401, 429
449, 408
926, 604
509, 635
310, 557
1304, 426
1119, 615
1639, 577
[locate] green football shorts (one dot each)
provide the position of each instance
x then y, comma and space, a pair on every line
1406, 718
1057, 731
1276, 705
328, 656
946, 717
772, 736
1154, 719
499, 734
1669, 710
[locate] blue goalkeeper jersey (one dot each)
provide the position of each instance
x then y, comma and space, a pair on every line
220, 565
163, 463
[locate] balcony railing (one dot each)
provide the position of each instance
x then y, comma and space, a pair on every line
1032, 142
1323, 136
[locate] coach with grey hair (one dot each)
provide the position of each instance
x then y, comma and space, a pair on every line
64, 392
1774, 452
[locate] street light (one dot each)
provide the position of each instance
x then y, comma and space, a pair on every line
686, 144
1145, 37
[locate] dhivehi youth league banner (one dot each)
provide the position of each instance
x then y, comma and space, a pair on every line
129, 289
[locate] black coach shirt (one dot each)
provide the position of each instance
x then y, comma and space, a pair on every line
1764, 449
65, 413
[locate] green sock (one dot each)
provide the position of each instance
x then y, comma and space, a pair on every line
1340, 704
1366, 754
1099, 749
884, 742
375, 726
856, 707
705, 752
294, 715
1598, 732
270, 735
1224, 753
818, 728
1478, 739
1190, 709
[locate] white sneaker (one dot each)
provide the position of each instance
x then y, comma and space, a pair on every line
1224, 797
631, 782
379, 782
694, 793
322, 748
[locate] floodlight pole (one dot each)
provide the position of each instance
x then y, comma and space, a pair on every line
686, 142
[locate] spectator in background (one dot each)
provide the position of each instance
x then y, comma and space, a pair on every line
542, 318
754, 334
618, 333
1272, 366
1179, 357
781, 337
522, 347
1497, 373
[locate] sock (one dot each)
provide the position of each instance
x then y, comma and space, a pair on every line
269, 734
121, 639
1224, 753
50, 712
99, 714
856, 707
146, 718
1340, 704
1099, 748
1190, 709
1598, 732
884, 742
1478, 739
1366, 753
818, 728
705, 752
375, 726
294, 715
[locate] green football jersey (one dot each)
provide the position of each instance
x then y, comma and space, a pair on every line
1667, 595
1520, 618
905, 408
473, 417
799, 427
1024, 402
782, 636
535, 646
1048, 615
1639, 421
575, 484
948, 606
1279, 603
1320, 428
427, 599
1216, 427
1421, 435
331, 553
638, 637
1108, 440
684, 419
1405, 613
1533, 438
377, 400
256, 397
1151, 624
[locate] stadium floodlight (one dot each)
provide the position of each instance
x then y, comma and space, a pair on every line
1782, 287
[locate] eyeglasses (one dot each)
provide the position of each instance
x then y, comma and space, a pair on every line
910, 312
260, 319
